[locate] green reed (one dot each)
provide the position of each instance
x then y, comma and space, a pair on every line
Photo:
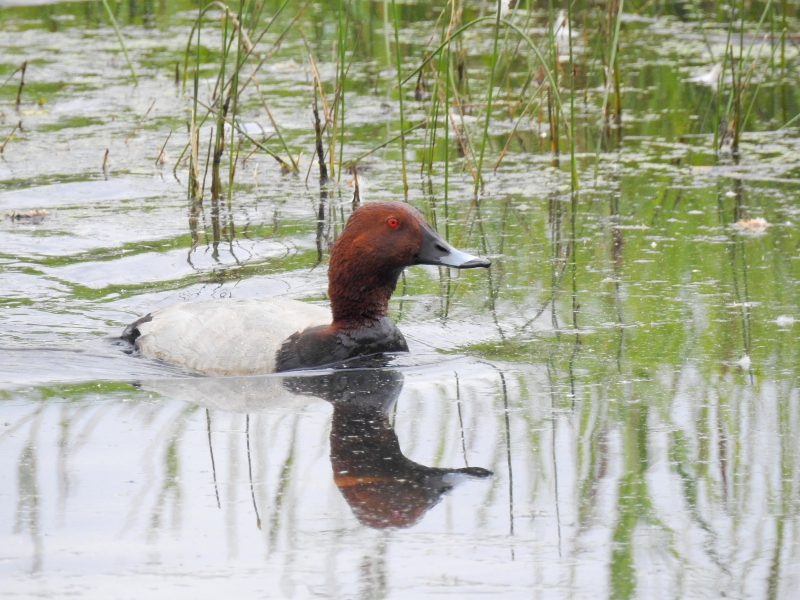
233, 102
121, 43
194, 175
220, 113
783, 57
398, 67
452, 93
721, 121
489, 93
613, 66
573, 165
552, 113
341, 75
732, 122
227, 92
750, 71
447, 88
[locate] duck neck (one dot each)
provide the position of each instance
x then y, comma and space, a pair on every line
359, 298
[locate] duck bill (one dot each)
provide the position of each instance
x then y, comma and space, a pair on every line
435, 251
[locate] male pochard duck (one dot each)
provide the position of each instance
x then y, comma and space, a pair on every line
265, 335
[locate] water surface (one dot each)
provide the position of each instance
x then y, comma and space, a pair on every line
627, 369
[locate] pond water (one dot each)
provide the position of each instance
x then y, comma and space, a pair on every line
611, 410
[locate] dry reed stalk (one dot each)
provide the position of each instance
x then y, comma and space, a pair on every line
323, 169
139, 124
356, 202
162, 157
14, 72
353, 162
208, 164
295, 166
21, 84
10, 135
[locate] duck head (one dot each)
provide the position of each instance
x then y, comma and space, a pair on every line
378, 242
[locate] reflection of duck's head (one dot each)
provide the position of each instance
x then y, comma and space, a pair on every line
382, 486
395, 495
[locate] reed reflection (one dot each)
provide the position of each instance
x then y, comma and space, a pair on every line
383, 487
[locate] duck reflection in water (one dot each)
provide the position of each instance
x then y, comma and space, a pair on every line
382, 486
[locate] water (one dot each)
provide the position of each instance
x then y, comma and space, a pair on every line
628, 370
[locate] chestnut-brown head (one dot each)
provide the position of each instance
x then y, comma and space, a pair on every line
378, 242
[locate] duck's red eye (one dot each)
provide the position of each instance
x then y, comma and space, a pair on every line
392, 222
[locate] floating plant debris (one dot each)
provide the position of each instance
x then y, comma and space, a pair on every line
32, 215
757, 225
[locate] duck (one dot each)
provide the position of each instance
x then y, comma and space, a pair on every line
254, 336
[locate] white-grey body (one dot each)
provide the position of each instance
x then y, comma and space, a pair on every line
228, 336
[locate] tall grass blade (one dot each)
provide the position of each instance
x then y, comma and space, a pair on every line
720, 120
553, 114
121, 43
398, 64
194, 173
489, 95
219, 133
612, 62
234, 97
573, 165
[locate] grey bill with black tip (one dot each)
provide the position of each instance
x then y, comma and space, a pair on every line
435, 251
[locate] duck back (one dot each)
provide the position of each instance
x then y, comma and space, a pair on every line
224, 337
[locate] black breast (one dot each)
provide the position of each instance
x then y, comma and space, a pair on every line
322, 346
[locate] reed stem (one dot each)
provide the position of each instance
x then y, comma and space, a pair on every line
219, 133
612, 61
489, 93
233, 106
121, 43
551, 113
447, 78
573, 166
400, 96
721, 122
194, 167
22, 70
